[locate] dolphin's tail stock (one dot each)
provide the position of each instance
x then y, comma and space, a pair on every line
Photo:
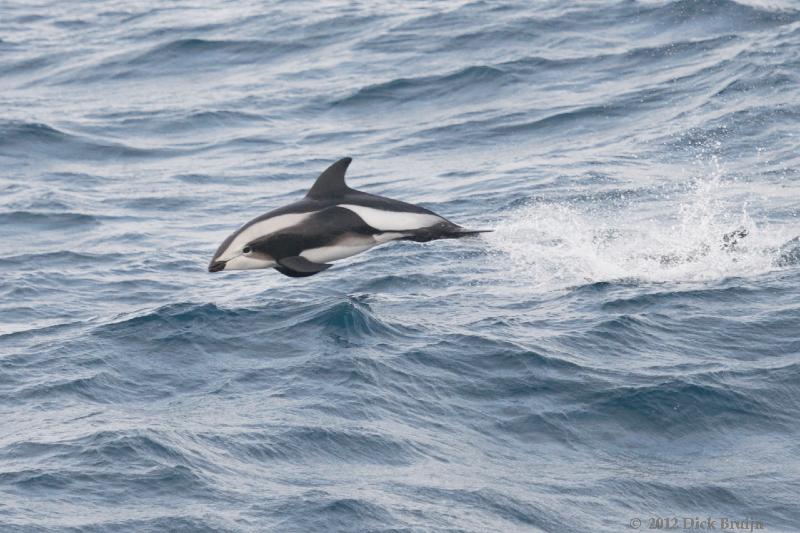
464, 232
446, 230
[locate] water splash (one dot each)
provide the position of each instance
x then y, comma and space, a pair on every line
705, 237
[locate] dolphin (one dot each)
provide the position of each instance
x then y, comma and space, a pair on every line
331, 222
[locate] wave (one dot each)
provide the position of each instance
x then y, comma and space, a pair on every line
100, 387
512, 510
201, 121
72, 24
28, 330
167, 520
349, 319
32, 140
670, 408
191, 49
29, 65
47, 221
553, 68
319, 511
678, 407
312, 443
105, 448
161, 479
615, 112
721, 15
178, 57
352, 319
444, 33
60, 258
474, 78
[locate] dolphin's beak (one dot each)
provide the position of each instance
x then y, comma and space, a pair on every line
216, 266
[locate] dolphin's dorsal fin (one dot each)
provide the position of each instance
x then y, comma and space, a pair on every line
331, 182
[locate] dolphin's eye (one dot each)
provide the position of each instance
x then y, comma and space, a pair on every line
247, 250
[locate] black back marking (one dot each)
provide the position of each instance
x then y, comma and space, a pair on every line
322, 228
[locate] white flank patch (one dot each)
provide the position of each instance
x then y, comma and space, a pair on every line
348, 247
393, 220
389, 236
323, 254
262, 229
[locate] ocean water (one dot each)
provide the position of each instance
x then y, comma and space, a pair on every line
607, 355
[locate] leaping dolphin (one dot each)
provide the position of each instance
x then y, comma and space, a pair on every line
332, 222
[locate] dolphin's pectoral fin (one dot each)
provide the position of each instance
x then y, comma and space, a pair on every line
293, 273
301, 264
299, 267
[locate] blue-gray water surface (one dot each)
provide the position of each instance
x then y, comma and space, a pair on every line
606, 355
